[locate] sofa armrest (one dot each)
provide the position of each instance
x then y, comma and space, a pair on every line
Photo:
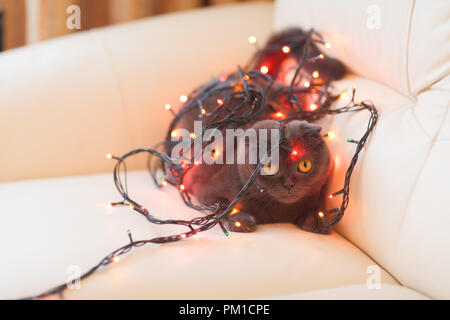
67, 102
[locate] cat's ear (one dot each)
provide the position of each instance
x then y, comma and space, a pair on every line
266, 124
311, 128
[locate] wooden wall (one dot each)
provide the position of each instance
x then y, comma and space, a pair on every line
29, 21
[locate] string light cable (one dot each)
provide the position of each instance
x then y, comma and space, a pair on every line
232, 101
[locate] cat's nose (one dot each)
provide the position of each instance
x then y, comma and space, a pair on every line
289, 184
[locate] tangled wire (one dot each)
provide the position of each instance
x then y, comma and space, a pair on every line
246, 95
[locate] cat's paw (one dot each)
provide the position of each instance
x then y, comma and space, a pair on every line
240, 222
312, 223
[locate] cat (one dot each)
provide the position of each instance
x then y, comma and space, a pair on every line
293, 194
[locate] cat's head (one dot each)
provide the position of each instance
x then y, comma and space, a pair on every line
304, 162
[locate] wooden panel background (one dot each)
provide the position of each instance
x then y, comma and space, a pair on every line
28, 21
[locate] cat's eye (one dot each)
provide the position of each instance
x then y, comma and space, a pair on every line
269, 169
304, 166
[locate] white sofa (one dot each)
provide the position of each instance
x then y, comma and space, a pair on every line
66, 103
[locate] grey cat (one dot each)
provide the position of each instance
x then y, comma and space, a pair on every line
293, 194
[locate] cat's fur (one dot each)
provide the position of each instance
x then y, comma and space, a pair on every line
289, 196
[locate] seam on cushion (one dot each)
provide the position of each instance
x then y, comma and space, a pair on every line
109, 64
116, 81
408, 39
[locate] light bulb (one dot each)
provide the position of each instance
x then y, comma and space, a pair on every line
264, 69
252, 39
183, 98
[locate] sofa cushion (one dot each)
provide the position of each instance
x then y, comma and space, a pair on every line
52, 224
398, 212
359, 292
69, 101
403, 44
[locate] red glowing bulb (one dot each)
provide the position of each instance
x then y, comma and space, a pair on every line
264, 69
279, 115
182, 187
330, 196
183, 236
219, 102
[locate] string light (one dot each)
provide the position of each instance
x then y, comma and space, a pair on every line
331, 135
327, 45
168, 107
234, 211
306, 84
321, 56
173, 133
279, 115
264, 69
286, 49
313, 107
183, 98
215, 153
116, 259
252, 39
252, 102
315, 74
237, 224
219, 101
